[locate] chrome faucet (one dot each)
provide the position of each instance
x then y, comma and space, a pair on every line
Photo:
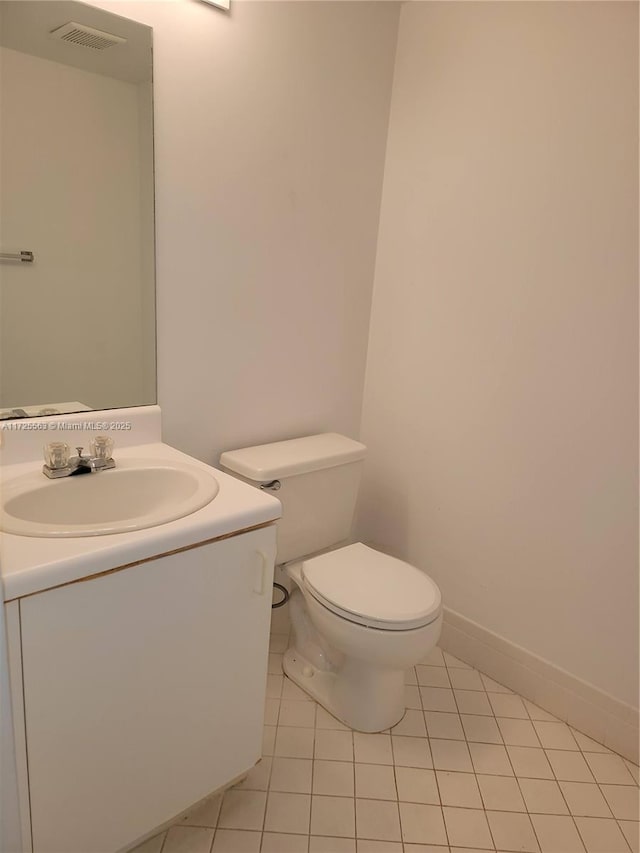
58, 463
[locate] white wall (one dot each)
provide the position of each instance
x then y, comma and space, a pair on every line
72, 192
500, 400
270, 129
500, 406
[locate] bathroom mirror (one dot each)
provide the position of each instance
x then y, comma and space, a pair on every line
77, 323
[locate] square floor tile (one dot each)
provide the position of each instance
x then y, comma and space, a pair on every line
512, 832
586, 744
517, 732
295, 713
294, 742
257, 779
292, 691
412, 724
325, 844
325, 720
206, 814
410, 676
268, 739
623, 801
501, 793
377, 820
242, 810
530, 763
278, 643
491, 758
557, 834
600, 835
188, 839
412, 698
271, 710
434, 658
432, 676
481, 729
467, 827
411, 752
473, 702
508, 705
609, 769
280, 621
333, 778
455, 663
555, 736
333, 745
375, 781
291, 775
585, 799
465, 679
416, 785
633, 769
151, 845
492, 686
458, 789
274, 842
631, 831
569, 766
372, 748
236, 841
443, 725
287, 813
451, 755
368, 845
333, 816
537, 713
274, 664
274, 686
452, 849
422, 824
543, 796
437, 699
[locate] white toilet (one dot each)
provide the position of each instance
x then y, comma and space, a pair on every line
359, 617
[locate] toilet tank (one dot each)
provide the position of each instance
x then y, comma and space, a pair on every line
319, 477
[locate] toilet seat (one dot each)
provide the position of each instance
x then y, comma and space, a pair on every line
372, 589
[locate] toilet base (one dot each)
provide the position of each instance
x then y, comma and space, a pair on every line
363, 697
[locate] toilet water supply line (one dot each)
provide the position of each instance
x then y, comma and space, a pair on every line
273, 486
285, 596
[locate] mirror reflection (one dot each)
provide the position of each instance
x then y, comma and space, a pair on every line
77, 322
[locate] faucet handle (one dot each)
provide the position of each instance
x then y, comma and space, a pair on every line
56, 454
102, 447
79, 449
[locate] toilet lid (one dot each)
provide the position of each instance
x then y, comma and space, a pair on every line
372, 588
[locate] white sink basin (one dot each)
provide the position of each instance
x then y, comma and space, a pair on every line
134, 495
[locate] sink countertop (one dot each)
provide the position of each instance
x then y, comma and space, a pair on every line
33, 564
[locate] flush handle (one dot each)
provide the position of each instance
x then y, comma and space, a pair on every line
272, 485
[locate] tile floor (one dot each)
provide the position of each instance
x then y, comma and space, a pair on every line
472, 766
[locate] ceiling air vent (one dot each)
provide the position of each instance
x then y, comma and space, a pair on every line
85, 36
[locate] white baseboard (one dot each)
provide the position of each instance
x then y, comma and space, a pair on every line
588, 709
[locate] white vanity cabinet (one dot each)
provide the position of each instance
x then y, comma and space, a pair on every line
143, 690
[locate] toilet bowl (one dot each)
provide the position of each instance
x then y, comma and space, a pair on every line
359, 617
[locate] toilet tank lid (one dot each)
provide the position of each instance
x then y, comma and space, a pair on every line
280, 459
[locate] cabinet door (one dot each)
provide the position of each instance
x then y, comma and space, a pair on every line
144, 691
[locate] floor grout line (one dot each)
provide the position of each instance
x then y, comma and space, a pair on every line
428, 737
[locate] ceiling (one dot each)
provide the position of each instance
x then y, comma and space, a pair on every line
25, 26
